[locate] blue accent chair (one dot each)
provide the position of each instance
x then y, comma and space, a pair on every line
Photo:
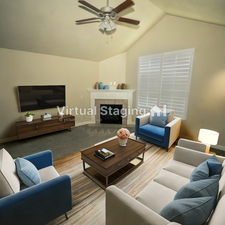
39, 204
162, 136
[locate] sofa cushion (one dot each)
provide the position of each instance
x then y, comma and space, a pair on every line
200, 188
200, 172
156, 109
155, 196
171, 180
218, 216
171, 115
159, 119
152, 131
179, 168
9, 181
215, 167
189, 211
48, 173
27, 172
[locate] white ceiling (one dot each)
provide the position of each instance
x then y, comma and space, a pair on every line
48, 27
210, 11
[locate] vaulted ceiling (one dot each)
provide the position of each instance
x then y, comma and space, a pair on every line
48, 27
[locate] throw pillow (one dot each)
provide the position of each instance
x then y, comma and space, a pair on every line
9, 181
159, 119
189, 211
200, 188
200, 172
27, 172
215, 167
216, 176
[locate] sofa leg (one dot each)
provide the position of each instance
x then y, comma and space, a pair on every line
66, 216
167, 149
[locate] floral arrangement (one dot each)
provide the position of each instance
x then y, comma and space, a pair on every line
123, 133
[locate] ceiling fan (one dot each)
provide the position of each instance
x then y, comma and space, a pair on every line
108, 15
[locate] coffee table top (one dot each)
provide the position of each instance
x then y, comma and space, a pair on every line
121, 153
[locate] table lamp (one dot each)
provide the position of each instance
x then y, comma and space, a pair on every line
208, 137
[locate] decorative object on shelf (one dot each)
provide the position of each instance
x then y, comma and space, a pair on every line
101, 85
96, 85
208, 137
107, 15
106, 87
47, 116
104, 154
123, 134
123, 86
29, 116
119, 86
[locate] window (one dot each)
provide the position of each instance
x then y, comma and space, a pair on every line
164, 79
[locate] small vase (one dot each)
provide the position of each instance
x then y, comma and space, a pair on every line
96, 85
106, 87
122, 142
29, 118
101, 85
123, 86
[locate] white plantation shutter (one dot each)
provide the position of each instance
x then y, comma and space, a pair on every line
164, 79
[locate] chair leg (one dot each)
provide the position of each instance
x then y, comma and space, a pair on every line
66, 216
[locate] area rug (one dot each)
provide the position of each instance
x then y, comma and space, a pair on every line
89, 199
63, 143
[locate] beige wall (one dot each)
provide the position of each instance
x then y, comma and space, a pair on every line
207, 95
24, 68
113, 70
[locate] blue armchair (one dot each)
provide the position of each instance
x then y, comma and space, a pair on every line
162, 136
40, 203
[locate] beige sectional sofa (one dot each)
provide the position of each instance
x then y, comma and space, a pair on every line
121, 209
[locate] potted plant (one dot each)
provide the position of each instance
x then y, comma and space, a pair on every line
29, 116
123, 134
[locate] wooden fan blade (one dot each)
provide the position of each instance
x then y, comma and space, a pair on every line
89, 5
123, 6
84, 20
126, 20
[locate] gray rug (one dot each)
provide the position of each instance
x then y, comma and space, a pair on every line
63, 143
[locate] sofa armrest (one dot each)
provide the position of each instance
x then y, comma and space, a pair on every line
41, 159
174, 127
38, 204
192, 157
194, 145
122, 209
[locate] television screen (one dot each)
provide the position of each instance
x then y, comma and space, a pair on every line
41, 97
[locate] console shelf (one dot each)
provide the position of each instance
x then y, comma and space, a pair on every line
38, 126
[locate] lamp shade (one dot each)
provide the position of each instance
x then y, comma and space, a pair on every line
209, 137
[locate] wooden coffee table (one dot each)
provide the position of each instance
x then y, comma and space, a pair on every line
105, 173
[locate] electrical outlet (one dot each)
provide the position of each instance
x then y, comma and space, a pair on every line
111, 83
114, 83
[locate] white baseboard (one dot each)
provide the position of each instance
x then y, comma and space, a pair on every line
84, 123
4, 140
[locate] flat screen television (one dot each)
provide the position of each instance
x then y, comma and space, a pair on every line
41, 97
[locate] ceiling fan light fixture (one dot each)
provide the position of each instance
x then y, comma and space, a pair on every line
108, 15
107, 24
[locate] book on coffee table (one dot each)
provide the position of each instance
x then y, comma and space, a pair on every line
104, 154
